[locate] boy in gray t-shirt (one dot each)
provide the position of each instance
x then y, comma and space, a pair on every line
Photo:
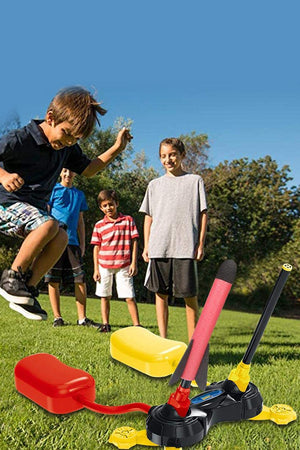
174, 234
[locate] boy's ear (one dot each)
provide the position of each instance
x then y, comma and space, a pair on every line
49, 118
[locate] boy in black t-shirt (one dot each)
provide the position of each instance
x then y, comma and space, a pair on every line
31, 160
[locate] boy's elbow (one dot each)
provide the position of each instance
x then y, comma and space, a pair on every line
95, 166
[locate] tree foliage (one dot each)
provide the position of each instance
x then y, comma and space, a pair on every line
196, 146
252, 211
254, 219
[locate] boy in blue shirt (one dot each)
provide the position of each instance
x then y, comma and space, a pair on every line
67, 205
31, 160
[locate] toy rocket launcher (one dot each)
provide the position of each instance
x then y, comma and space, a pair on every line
183, 422
180, 422
172, 424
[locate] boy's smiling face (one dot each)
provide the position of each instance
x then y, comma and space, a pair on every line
67, 177
171, 159
60, 136
109, 208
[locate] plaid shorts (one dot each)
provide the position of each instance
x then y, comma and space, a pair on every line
19, 219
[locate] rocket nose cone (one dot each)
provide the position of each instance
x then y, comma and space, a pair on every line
227, 271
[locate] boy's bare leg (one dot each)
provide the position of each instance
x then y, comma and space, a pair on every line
48, 257
54, 296
34, 243
105, 309
80, 295
133, 311
192, 314
162, 313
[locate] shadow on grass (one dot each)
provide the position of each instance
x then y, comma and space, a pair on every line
261, 357
147, 327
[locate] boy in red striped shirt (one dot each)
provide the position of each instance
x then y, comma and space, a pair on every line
115, 255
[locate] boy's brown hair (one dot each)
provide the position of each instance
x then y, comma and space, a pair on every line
175, 143
107, 194
77, 106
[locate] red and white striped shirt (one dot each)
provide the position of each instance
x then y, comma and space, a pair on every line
114, 241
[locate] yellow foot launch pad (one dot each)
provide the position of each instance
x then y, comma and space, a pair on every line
127, 437
280, 414
146, 352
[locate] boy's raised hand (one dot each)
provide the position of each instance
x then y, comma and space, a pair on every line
123, 138
11, 181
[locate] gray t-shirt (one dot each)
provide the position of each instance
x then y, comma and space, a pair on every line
175, 205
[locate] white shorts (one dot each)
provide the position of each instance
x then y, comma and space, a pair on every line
124, 283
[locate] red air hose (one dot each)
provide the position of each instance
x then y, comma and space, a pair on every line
102, 409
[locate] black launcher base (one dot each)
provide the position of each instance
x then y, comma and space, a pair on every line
220, 402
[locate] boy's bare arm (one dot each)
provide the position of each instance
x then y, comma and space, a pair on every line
81, 233
10, 181
105, 158
96, 275
134, 254
147, 227
202, 235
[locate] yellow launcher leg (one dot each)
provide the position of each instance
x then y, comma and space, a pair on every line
127, 437
280, 414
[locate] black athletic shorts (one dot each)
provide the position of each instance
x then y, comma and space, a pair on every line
69, 268
170, 276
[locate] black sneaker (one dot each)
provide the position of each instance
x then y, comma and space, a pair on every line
32, 312
89, 323
33, 291
58, 322
105, 328
13, 287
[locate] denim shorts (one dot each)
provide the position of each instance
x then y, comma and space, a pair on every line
19, 219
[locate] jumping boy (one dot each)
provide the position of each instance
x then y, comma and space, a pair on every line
67, 205
174, 234
113, 238
31, 160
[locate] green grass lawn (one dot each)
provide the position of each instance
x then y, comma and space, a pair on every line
275, 370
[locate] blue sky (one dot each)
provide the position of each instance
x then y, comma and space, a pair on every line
227, 69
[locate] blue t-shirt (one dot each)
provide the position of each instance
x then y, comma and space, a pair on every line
65, 205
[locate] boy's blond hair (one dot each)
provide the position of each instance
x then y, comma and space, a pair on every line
77, 106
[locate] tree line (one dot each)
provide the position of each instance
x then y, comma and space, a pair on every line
253, 217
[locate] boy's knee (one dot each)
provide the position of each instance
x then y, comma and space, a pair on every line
51, 227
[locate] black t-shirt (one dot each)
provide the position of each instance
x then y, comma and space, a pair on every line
27, 152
